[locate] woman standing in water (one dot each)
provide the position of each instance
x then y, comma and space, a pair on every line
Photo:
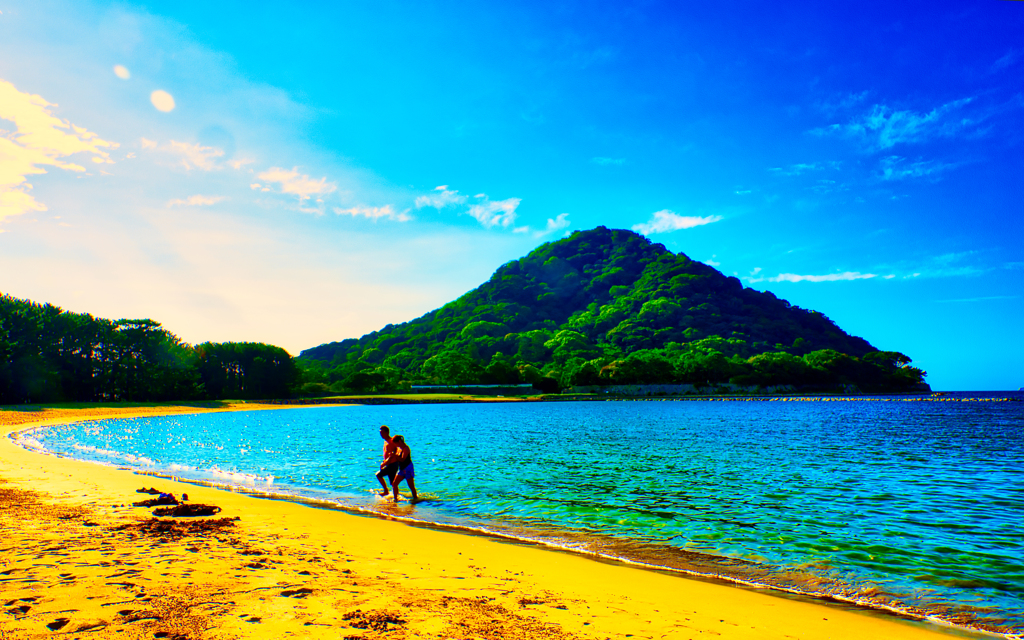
405, 469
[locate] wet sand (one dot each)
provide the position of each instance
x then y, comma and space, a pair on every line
78, 560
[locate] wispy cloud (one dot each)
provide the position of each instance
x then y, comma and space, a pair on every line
842, 103
188, 155
441, 198
238, 163
953, 256
554, 224
755, 276
293, 183
40, 139
375, 213
495, 213
196, 201
195, 155
1008, 60
884, 127
604, 162
898, 168
665, 221
824, 187
804, 167
947, 265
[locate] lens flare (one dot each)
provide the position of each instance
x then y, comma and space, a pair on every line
162, 100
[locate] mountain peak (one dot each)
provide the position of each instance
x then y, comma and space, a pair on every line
616, 290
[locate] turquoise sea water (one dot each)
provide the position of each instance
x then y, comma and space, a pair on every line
915, 505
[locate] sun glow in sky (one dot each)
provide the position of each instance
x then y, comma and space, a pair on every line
238, 171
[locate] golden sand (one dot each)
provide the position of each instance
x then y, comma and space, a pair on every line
78, 561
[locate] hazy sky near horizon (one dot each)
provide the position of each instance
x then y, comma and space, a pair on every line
302, 173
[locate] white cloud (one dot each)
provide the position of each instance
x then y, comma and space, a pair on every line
884, 127
294, 183
830, 277
441, 199
711, 261
196, 201
375, 213
39, 140
554, 224
493, 213
664, 221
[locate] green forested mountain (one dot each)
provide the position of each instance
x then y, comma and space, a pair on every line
609, 306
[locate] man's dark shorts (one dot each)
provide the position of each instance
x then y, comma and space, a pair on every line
390, 471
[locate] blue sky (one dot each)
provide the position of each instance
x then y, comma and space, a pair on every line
302, 173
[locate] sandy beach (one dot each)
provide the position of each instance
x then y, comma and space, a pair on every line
78, 560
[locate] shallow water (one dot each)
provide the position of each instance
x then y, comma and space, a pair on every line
915, 505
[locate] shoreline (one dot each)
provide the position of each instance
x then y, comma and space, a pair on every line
625, 594
412, 398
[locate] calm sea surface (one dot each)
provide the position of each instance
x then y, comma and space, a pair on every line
916, 505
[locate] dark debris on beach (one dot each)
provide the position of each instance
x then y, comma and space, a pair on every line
175, 529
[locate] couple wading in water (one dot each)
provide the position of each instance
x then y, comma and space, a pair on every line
397, 464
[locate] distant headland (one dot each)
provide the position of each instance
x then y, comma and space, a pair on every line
607, 307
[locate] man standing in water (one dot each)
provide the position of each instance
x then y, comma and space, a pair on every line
406, 471
389, 465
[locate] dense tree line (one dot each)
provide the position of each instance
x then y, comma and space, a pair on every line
608, 307
51, 355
